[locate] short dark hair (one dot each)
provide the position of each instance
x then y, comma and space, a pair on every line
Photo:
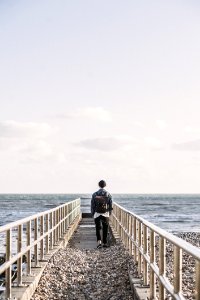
102, 183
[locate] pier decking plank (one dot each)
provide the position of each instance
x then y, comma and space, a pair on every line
84, 237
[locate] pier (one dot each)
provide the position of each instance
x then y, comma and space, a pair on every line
153, 265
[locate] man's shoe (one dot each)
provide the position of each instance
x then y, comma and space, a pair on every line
99, 246
105, 245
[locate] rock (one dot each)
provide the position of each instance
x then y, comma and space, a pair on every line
87, 274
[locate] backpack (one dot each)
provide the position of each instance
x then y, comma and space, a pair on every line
101, 204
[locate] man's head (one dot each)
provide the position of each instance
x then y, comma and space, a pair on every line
102, 183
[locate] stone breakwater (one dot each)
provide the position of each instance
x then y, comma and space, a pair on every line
75, 274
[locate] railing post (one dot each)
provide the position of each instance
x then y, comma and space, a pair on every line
61, 221
28, 243
8, 257
19, 261
125, 236
70, 216
72, 210
121, 230
35, 239
47, 237
54, 229
126, 230
52, 232
177, 269
152, 261
135, 240
122, 225
58, 223
57, 226
42, 240
116, 213
139, 245
197, 281
130, 235
162, 265
145, 241
65, 218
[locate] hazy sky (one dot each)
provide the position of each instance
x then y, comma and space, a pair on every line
94, 90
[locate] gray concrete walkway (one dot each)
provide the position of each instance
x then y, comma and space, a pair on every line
85, 235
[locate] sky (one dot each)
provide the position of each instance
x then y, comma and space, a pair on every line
93, 90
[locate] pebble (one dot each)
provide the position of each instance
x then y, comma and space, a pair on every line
82, 274
188, 264
102, 274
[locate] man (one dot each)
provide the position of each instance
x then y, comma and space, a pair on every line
101, 208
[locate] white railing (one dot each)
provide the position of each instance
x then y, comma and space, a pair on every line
31, 238
147, 243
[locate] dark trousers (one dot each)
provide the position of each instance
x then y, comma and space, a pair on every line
104, 221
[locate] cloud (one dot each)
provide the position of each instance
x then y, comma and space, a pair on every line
38, 151
192, 129
153, 142
139, 124
188, 146
94, 113
28, 142
107, 143
13, 129
161, 124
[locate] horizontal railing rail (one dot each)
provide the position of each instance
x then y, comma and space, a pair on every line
139, 237
28, 240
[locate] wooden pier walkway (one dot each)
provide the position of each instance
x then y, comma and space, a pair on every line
58, 247
80, 271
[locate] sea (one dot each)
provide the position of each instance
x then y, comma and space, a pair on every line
172, 212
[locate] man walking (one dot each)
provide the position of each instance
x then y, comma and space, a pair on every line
101, 208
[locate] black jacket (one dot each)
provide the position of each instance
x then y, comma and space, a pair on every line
101, 192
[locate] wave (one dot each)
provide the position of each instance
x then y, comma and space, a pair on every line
175, 221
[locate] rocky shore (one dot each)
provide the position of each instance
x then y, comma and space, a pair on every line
102, 274
75, 274
188, 264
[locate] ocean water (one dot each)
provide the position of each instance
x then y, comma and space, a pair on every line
172, 212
